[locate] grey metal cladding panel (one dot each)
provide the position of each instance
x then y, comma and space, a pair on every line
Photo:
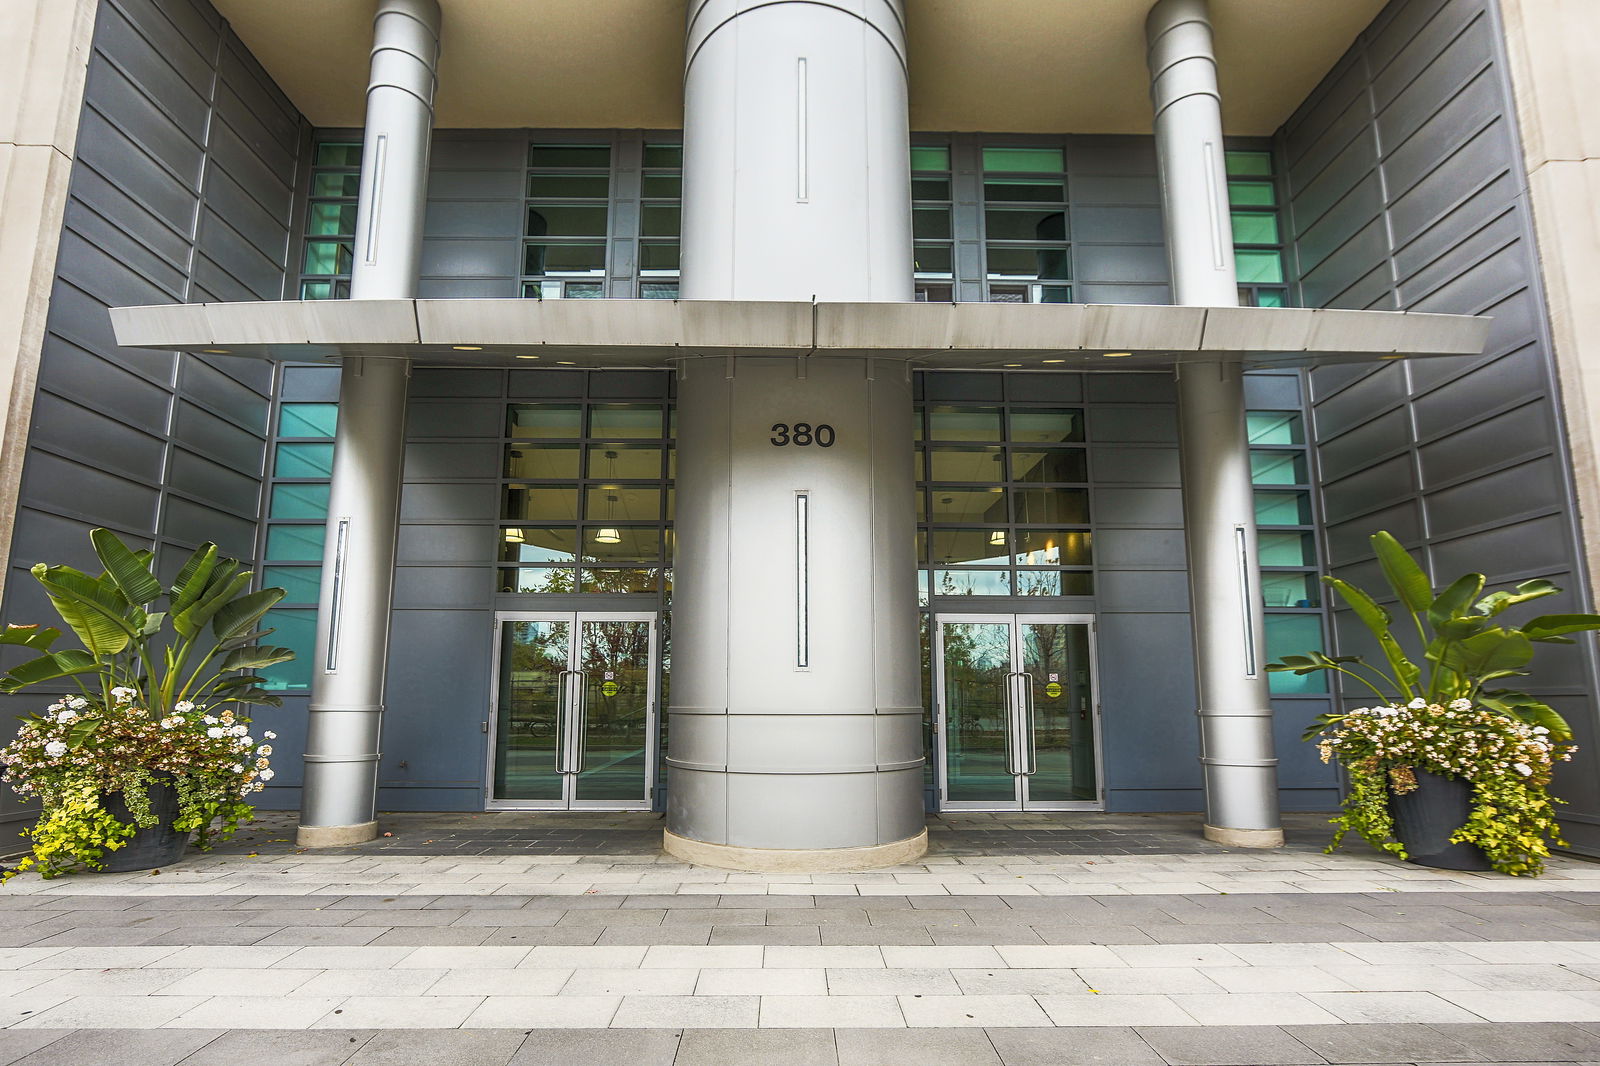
102, 240
505, 288
96, 438
222, 441
454, 420
1325, 381
1140, 549
309, 384
135, 32
1153, 741
1142, 591
230, 151
198, 476
447, 544
1372, 291
1523, 489
543, 384
1538, 546
1134, 189
1359, 402
171, 72
1446, 226
51, 483
253, 374
1311, 200
473, 218
260, 274
1347, 541
1098, 293
99, 274
1139, 224
457, 151
1144, 424
1349, 452
1458, 122
447, 461
1135, 466
239, 68
1396, 26
91, 191
437, 693
1269, 390
1131, 388
214, 284
1434, 65
443, 587
1514, 328
453, 381
425, 502
1337, 119
463, 257
262, 222
107, 149
257, 123
192, 523
71, 371
1359, 255
1387, 481
1120, 263
475, 184
42, 537
1299, 764
1350, 217
1522, 431
1117, 155
83, 320
171, 145
1139, 508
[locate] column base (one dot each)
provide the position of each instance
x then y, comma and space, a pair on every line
797, 861
335, 836
1245, 838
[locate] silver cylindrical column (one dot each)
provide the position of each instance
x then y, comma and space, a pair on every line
795, 734
1236, 749
348, 664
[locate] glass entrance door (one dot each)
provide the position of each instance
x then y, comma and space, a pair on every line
573, 722
1016, 712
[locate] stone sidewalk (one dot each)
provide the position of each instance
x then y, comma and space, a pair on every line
1019, 939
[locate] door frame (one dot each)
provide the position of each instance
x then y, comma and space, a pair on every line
1015, 620
652, 712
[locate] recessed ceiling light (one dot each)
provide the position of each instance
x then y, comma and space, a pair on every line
566, 362
467, 347
527, 357
1012, 366
1055, 360
217, 351
1395, 355
1118, 355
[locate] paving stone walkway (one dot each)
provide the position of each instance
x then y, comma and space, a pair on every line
1020, 939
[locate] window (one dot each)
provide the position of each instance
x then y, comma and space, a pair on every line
932, 225
566, 221
661, 202
1026, 255
1257, 236
297, 514
330, 240
1291, 589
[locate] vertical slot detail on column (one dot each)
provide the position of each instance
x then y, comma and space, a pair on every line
801, 146
1241, 545
1212, 201
341, 539
380, 157
802, 580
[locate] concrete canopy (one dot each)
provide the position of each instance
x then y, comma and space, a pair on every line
644, 333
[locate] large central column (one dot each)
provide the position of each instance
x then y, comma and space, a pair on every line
1236, 751
795, 730
338, 805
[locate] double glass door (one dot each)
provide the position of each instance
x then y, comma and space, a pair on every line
573, 722
1016, 712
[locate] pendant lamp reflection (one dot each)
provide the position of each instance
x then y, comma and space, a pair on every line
608, 534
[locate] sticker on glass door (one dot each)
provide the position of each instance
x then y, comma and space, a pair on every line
574, 713
1016, 712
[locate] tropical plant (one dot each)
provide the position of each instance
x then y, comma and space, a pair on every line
1439, 714
161, 697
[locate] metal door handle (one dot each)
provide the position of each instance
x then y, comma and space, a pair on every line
1016, 762
562, 760
1029, 723
581, 748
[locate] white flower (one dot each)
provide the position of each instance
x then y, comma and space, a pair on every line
1523, 768
270, 735
67, 715
178, 719
1541, 730
265, 749
262, 764
266, 775
123, 694
239, 730
211, 719
238, 769
247, 741
77, 703
1417, 704
214, 732
183, 706
56, 748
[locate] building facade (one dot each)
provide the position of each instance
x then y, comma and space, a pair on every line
795, 417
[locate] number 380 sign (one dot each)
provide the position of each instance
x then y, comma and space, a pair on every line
801, 435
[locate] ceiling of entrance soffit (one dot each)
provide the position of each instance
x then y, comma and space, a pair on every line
1025, 66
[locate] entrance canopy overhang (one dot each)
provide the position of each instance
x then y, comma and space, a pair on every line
658, 333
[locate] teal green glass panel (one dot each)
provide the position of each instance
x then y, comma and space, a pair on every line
625, 420
296, 628
569, 155
1283, 509
570, 186
336, 185
304, 460
338, 154
332, 220
1025, 160
1286, 549
1244, 164
1254, 267
316, 290
1274, 427
1294, 634
1272, 298
296, 544
1280, 589
930, 158
308, 420
328, 257
930, 188
660, 220
544, 420
293, 500
300, 584
1255, 227
1278, 468
1252, 194
663, 155
662, 186
1055, 294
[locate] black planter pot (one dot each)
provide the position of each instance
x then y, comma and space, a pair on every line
148, 849
1425, 818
